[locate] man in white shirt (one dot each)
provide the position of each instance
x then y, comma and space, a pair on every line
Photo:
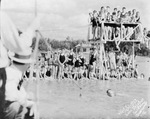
16, 98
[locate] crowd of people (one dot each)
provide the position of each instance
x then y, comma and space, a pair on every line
109, 32
70, 65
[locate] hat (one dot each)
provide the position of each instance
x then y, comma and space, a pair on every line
10, 37
21, 57
19, 45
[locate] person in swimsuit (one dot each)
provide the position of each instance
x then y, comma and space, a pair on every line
94, 24
102, 19
70, 63
137, 17
92, 59
114, 20
112, 59
122, 16
90, 28
77, 67
62, 60
114, 15
107, 10
108, 29
48, 72
133, 17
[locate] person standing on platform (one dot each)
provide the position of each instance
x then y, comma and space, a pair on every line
16, 98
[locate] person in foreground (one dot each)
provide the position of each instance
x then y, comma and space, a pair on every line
17, 103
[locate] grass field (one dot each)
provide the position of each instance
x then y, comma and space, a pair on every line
65, 100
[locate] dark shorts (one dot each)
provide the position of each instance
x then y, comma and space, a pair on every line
124, 63
70, 63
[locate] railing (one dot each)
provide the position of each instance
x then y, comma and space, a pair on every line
116, 32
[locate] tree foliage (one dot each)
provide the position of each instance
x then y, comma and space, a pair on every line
70, 44
47, 44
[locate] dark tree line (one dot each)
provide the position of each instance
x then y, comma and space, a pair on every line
48, 44
70, 44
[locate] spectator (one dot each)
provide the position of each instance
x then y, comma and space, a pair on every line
145, 32
108, 29
107, 10
91, 25
133, 18
114, 19
118, 16
102, 14
102, 19
123, 12
114, 15
137, 17
129, 16
108, 17
94, 23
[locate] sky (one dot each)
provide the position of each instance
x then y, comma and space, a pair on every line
63, 18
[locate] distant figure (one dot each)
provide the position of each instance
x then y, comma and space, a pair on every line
94, 23
122, 15
92, 59
114, 15
133, 16
112, 59
62, 60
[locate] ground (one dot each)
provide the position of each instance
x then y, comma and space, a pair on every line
65, 100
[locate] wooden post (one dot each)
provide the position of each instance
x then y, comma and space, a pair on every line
102, 31
121, 36
133, 64
133, 59
88, 35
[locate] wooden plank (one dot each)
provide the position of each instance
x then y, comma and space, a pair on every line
130, 25
105, 41
112, 24
124, 40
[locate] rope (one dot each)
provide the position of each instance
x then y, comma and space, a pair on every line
62, 29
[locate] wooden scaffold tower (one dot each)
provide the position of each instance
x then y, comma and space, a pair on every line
120, 33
